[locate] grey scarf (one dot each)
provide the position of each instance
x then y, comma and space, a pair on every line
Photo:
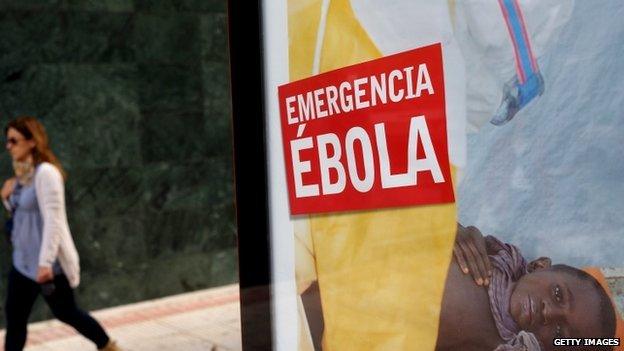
508, 266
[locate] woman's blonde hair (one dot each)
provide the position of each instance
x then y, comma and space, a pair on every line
32, 129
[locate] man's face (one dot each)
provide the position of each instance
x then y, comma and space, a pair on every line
556, 304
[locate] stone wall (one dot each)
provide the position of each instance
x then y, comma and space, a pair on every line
134, 95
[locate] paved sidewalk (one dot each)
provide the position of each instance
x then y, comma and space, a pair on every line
203, 320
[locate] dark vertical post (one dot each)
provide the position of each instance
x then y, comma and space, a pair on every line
250, 164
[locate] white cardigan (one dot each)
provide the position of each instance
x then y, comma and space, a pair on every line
56, 241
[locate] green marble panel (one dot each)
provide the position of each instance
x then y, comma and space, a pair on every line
87, 110
111, 243
166, 38
188, 185
175, 274
213, 36
108, 191
217, 109
224, 267
174, 232
28, 37
98, 120
38, 91
170, 88
113, 288
93, 37
173, 137
31, 5
181, 5
100, 5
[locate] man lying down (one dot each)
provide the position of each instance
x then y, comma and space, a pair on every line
529, 304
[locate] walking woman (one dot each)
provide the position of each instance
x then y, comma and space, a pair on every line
45, 260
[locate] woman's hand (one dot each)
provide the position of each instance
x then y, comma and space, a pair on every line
471, 254
7, 188
44, 274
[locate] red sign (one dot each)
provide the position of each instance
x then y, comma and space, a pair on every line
371, 135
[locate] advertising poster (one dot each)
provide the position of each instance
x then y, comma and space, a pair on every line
445, 175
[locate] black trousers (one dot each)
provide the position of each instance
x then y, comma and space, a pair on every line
21, 296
